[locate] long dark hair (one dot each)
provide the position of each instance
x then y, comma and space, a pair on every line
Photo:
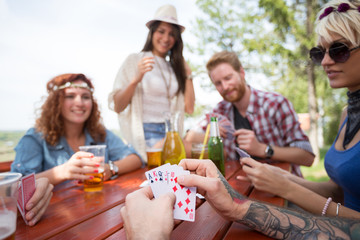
176, 56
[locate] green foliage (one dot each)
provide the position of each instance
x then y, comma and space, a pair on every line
316, 173
8, 140
272, 37
6, 136
334, 104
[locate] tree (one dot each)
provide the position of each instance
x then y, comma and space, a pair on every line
272, 37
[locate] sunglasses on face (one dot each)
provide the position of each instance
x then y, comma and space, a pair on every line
338, 52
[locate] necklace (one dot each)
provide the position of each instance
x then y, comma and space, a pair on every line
168, 85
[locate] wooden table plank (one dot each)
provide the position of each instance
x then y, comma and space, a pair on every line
230, 168
98, 227
208, 225
5, 166
73, 206
118, 235
242, 187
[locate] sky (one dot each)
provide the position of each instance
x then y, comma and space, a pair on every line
40, 39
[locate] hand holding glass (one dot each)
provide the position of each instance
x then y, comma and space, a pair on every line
96, 183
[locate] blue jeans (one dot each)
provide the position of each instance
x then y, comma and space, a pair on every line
154, 130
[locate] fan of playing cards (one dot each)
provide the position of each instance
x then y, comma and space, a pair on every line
163, 179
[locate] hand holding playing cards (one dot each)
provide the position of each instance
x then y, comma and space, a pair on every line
223, 132
212, 185
38, 203
265, 177
246, 139
146, 217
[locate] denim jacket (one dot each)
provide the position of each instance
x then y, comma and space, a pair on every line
34, 154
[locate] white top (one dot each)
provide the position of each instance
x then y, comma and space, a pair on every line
131, 119
155, 96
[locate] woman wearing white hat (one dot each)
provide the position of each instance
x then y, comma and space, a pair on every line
147, 84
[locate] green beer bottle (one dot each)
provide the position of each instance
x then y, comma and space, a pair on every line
215, 146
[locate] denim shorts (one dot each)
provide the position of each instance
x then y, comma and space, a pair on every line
154, 130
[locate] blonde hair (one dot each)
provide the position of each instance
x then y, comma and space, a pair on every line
344, 23
224, 57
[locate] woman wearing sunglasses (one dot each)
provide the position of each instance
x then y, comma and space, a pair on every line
338, 52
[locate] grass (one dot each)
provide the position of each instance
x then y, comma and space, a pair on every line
317, 172
8, 140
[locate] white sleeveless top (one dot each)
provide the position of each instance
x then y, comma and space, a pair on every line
155, 97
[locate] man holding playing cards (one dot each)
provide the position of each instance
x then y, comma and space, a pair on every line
264, 124
141, 212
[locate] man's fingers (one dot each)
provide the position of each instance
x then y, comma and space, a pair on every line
142, 193
123, 214
192, 180
168, 198
223, 131
243, 178
201, 167
249, 162
188, 164
146, 191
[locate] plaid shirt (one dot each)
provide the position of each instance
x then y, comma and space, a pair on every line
273, 120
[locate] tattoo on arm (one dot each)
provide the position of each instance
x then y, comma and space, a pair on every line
284, 223
234, 194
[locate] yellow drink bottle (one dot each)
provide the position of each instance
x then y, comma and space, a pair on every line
173, 149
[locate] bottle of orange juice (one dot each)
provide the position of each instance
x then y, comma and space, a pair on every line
173, 149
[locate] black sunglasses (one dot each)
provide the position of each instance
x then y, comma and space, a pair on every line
338, 52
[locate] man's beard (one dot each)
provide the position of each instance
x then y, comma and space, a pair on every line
234, 98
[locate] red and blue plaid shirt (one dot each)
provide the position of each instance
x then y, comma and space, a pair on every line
273, 120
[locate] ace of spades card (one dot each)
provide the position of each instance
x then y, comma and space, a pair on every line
164, 179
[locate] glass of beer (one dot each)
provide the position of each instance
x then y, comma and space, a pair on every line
196, 149
95, 184
153, 152
8, 199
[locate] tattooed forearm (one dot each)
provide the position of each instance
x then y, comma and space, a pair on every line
234, 194
284, 223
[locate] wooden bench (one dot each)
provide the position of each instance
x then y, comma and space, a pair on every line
5, 166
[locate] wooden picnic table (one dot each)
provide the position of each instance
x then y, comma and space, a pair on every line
75, 214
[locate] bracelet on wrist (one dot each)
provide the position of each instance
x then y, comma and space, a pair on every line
326, 206
337, 209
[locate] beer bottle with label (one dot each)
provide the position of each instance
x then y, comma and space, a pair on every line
215, 146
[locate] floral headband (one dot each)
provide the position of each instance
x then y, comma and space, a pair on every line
73, 85
343, 7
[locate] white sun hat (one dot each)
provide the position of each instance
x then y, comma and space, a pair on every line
166, 13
